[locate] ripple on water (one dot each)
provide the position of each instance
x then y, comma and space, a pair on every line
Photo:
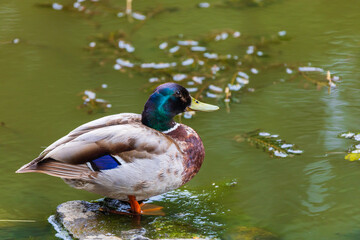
318, 175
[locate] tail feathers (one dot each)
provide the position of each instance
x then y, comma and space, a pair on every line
59, 169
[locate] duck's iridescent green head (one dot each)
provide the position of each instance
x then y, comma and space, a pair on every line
167, 101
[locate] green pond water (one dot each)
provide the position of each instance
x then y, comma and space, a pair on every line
310, 196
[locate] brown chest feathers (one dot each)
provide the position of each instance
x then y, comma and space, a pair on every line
191, 145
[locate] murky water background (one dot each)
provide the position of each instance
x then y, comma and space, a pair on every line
311, 196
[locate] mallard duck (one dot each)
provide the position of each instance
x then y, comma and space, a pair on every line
129, 156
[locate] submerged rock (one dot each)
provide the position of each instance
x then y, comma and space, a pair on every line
250, 233
84, 220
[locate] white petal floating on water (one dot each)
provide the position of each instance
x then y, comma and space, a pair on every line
274, 135
356, 151
179, 77
250, 50
108, 105
174, 49
215, 88
335, 78
163, 45
129, 48
187, 115
254, 70
347, 135
357, 137
297, 151
197, 79
117, 66
280, 154
259, 53
235, 87
204, 5
16, 40
282, 33
99, 100
120, 14
357, 146
331, 84
124, 63
153, 79
286, 145
264, 134
211, 95
236, 34
188, 43
76, 5
104, 85
57, 6
289, 71
92, 44
201, 62
211, 55
224, 35
188, 61
190, 90
123, 45
190, 83
310, 69
215, 69
138, 16
90, 94
244, 75
242, 81
198, 49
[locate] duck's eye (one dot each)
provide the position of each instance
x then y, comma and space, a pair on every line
178, 93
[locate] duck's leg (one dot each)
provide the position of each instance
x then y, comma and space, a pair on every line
144, 208
135, 206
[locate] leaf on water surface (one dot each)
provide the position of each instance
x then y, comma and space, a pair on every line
270, 143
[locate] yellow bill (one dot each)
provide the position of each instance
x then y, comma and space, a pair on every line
199, 106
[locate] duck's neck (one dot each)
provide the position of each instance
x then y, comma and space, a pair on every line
156, 117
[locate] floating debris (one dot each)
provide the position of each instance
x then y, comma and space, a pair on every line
188, 43
221, 36
92, 44
127, 46
270, 143
198, 80
282, 33
174, 49
92, 103
242, 81
179, 77
57, 6
204, 5
198, 49
211, 55
16, 41
353, 152
157, 65
215, 88
124, 63
163, 45
187, 62
120, 14
254, 70
138, 16
310, 69
243, 75
250, 50
289, 71
154, 79
236, 34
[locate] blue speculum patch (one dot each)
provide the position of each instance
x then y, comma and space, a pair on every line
105, 162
